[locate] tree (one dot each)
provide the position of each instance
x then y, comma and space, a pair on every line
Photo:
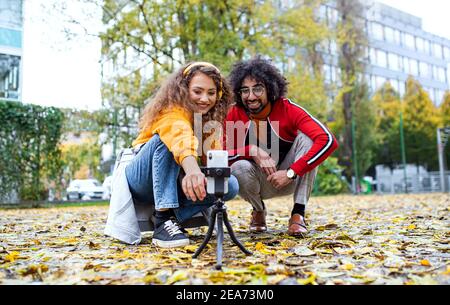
421, 120
444, 110
387, 107
352, 97
82, 160
303, 32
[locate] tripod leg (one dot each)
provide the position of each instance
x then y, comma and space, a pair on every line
233, 236
208, 234
219, 240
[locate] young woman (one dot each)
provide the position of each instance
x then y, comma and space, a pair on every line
165, 171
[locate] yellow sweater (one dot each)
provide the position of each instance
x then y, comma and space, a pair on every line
175, 129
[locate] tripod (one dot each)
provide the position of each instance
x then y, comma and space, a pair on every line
219, 214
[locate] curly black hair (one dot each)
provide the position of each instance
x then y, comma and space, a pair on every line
262, 70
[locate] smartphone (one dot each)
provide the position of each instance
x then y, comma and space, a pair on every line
216, 159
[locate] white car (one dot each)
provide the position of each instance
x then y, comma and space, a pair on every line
85, 189
107, 187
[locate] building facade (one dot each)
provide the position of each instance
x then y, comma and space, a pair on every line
11, 42
397, 48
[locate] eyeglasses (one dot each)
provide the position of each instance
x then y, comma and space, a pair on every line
257, 91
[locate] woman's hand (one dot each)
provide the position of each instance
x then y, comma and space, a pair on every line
263, 159
194, 183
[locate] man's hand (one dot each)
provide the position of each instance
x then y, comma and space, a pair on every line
279, 179
263, 159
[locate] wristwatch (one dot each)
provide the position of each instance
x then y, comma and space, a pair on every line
291, 174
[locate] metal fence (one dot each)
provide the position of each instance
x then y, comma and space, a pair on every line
418, 180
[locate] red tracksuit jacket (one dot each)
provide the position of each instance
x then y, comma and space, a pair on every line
291, 119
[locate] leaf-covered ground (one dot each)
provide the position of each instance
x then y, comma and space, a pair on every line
401, 239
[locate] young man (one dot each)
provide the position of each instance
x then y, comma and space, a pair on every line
274, 144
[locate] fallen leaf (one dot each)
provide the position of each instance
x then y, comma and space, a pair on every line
348, 266
11, 257
304, 251
191, 248
425, 262
411, 227
177, 276
310, 280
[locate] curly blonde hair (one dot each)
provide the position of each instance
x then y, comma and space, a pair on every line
175, 92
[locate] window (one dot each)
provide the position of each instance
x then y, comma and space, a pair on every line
409, 41
447, 53
380, 80
15, 75
420, 43
439, 96
372, 56
406, 67
394, 62
441, 74
382, 58
397, 37
424, 69
333, 74
394, 83
401, 88
323, 12
427, 47
373, 84
437, 50
332, 16
377, 31
333, 47
413, 67
389, 34
327, 72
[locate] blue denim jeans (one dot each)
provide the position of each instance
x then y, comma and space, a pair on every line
153, 179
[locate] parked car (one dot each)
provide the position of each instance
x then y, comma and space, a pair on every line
85, 189
107, 187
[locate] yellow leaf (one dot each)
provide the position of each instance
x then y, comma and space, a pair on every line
11, 257
411, 227
348, 266
70, 240
447, 272
425, 262
152, 279
259, 268
191, 248
288, 243
178, 275
310, 280
260, 246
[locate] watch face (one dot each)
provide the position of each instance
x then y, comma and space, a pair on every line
290, 173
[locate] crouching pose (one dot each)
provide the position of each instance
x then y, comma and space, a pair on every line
277, 147
162, 167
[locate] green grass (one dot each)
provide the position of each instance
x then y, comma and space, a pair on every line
62, 204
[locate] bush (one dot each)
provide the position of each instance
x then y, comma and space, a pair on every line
29, 154
329, 179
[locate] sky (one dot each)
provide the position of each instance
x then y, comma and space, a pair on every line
62, 73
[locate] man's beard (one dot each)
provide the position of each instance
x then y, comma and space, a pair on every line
254, 111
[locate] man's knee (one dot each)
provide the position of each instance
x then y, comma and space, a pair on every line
242, 168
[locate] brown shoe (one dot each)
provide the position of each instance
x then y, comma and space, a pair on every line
258, 222
297, 225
